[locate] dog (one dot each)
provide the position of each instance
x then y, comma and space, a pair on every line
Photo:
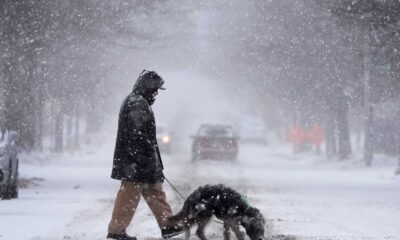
225, 204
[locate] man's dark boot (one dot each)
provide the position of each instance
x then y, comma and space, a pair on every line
123, 236
171, 231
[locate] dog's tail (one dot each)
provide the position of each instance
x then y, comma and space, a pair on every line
183, 216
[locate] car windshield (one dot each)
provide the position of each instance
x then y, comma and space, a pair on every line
216, 131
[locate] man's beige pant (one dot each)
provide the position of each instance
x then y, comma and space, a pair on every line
128, 199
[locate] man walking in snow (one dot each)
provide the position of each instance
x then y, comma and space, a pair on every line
137, 161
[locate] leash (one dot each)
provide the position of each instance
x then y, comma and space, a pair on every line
176, 190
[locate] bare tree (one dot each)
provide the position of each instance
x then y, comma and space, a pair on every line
377, 23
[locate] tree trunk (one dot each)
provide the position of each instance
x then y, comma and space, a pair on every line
39, 102
69, 131
369, 111
76, 127
39, 129
52, 127
59, 128
368, 141
23, 80
330, 134
344, 143
18, 114
92, 122
397, 141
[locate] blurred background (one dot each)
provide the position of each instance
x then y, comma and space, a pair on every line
67, 65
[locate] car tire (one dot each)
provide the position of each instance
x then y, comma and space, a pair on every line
13, 190
5, 192
9, 191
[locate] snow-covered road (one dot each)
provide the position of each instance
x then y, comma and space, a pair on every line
72, 197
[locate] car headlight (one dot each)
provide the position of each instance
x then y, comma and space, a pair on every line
165, 139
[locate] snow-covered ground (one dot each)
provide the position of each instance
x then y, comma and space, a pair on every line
302, 197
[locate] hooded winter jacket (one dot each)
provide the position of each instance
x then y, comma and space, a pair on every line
137, 157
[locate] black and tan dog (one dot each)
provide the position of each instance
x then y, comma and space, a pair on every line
224, 203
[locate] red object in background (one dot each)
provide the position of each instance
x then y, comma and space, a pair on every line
316, 135
297, 135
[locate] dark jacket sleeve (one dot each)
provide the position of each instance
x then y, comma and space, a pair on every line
139, 117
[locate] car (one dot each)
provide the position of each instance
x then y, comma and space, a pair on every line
164, 139
215, 141
8, 167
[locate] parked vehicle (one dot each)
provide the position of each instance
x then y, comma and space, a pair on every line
8, 167
215, 141
164, 140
